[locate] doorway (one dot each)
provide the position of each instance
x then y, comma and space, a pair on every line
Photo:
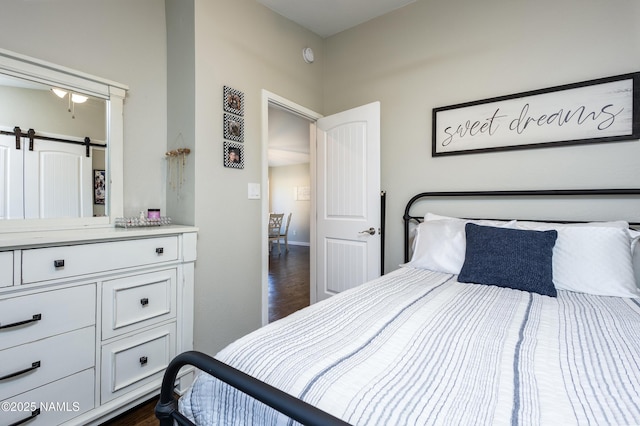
344, 176
288, 168
289, 194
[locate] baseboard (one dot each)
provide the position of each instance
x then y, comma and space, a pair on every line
299, 243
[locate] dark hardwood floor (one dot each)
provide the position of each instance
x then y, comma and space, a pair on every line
142, 415
288, 281
288, 292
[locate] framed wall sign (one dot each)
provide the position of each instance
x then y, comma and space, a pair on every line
602, 110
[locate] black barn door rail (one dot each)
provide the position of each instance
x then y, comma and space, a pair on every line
31, 134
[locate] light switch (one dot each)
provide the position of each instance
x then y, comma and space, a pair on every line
253, 190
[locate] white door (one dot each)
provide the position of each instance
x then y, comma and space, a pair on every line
347, 200
57, 181
11, 205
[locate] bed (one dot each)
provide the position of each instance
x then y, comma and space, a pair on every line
486, 322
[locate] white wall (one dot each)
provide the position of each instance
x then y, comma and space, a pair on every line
120, 40
434, 53
282, 184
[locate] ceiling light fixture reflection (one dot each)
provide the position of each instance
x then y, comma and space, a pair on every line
78, 99
59, 92
74, 98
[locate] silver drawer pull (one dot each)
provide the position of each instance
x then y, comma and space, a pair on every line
143, 360
58, 263
159, 250
35, 413
144, 301
34, 365
36, 317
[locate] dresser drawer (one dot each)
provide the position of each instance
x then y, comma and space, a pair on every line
25, 319
135, 361
35, 364
137, 301
68, 261
56, 402
6, 268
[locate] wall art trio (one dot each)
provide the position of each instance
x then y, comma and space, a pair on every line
233, 124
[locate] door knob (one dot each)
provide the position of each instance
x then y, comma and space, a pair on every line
370, 231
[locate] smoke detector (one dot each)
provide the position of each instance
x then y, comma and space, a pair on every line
307, 55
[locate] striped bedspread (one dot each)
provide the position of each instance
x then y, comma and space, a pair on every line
416, 347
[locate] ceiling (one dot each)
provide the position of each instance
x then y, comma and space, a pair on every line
329, 17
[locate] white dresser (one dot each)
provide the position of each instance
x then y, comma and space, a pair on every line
89, 319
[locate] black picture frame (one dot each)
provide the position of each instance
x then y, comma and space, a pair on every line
233, 155
233, 128
233, 101
99, 186
593, 111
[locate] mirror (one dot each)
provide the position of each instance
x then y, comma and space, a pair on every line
60, 146
61, 122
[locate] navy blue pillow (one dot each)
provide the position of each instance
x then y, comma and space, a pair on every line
511, 258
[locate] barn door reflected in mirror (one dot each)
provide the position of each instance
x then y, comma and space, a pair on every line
51, 143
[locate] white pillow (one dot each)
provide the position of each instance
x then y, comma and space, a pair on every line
635, 254
440, 244
592, 258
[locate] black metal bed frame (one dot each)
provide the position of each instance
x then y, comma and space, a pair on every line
166, 409
408, 218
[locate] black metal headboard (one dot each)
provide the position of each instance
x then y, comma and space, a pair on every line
498, 194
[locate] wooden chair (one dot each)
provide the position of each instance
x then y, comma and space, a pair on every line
284, 235
275, 228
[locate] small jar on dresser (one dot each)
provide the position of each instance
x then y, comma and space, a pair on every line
89, 320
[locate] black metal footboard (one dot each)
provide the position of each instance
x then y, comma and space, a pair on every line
167, 407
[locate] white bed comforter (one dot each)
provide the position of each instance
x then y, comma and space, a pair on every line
416, 347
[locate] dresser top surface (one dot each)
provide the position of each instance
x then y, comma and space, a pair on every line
19, 240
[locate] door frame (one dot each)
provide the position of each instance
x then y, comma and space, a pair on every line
312, 116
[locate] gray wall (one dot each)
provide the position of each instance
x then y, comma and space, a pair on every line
241, 44
282, 184
181, 124
435, 53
